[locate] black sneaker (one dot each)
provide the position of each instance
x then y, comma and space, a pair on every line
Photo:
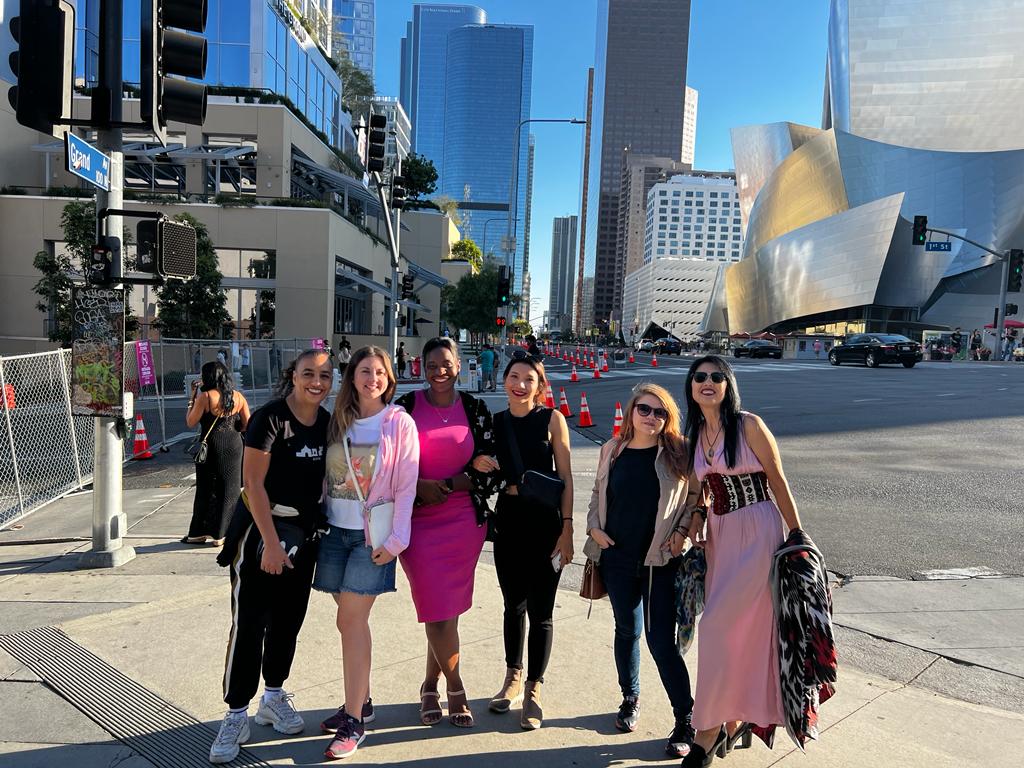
629, 714
679, 741
330, 725
347, 740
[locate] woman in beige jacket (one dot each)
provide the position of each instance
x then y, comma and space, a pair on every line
639, 515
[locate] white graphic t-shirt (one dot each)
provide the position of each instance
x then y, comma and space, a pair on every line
344, 510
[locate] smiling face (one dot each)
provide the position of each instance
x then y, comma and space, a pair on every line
651, 424
709, 393
522, 384
442, 369
370, 379
313, 378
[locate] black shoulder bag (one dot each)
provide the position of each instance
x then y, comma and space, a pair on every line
538, 487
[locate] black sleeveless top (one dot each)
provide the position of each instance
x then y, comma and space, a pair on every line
531, 433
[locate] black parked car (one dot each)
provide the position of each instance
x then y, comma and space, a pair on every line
758, 348
668, 346
873, 349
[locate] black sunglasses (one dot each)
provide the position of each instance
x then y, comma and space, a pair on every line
522, 354
716, 376
645, 410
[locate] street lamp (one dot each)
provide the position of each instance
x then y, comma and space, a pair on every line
483, 246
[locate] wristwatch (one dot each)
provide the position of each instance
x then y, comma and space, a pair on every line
449, 484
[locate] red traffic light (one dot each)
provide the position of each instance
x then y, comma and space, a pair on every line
500, 322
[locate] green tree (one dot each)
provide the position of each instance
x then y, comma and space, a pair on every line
467, 250
420, 177
60, 270
448, 207
471, 304
264, 269
520, 327
196, 308
356, 86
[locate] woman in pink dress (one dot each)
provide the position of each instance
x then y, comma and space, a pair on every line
737, 460
448, 522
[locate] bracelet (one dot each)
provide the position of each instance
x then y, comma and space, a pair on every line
566, 518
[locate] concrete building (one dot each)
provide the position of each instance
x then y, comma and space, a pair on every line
694, 215
353, 28
639, 174
690, 126
563, 271
674, 296
639, 102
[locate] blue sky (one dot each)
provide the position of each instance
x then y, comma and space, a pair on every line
753, 61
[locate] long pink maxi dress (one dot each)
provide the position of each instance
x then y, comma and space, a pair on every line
737, 642
445, 541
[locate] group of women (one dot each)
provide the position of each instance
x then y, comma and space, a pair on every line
332, 501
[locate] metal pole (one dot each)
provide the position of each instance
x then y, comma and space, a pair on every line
1001, 324
396, 171
109, 523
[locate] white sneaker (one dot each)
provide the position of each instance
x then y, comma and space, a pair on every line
234, 730
279, 712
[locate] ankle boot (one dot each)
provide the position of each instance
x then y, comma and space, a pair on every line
511, 693
533, 715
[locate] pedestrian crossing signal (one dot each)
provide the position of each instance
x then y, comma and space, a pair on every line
500, 322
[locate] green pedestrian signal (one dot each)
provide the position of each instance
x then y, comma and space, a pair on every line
920, 230
1016, 276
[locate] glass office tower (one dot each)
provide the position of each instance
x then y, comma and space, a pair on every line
353, 30
488, 81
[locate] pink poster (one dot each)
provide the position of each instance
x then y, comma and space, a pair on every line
144, 357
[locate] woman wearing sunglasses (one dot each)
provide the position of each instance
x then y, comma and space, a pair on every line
737, 461
637, 523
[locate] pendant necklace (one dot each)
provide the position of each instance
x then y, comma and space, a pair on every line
709, 446
438, 411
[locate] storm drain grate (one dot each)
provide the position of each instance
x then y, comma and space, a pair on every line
134, 715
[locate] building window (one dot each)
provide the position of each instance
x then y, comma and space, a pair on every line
700, 194
714, 194
689, 193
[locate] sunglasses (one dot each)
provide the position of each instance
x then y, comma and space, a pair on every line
716, 376
645, 410
522, 354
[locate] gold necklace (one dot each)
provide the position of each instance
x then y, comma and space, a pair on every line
438, 411
709, 446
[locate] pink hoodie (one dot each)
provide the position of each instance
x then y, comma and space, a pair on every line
395, 476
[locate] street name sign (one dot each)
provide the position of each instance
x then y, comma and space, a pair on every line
86, 162
939, 246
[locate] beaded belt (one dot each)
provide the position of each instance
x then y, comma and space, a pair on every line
732, 492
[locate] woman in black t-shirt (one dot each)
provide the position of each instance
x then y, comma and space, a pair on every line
283, 474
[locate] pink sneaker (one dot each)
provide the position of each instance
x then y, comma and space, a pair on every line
347, 740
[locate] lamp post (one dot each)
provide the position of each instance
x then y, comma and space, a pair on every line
483, 245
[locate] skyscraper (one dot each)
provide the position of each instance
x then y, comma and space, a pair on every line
690, 126
424, 56
639, 102
563, 270
352, 28
489, 74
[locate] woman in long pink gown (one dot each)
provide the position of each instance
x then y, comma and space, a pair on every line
737, 461
448, 522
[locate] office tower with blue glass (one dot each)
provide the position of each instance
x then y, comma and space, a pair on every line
353, 30
563, 270
258, 44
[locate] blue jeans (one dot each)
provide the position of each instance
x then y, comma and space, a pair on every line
632, 590
344, 565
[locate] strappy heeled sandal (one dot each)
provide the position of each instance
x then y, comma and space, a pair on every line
430, 716
460, 719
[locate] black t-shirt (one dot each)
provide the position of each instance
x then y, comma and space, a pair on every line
296, 472
633, 494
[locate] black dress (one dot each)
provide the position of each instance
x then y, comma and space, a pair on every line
526, 537
219, 478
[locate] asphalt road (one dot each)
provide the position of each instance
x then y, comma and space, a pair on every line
896, 471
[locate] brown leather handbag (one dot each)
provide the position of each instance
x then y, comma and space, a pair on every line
592, 587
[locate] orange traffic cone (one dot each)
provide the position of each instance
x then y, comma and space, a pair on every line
574, 377
563, 404
604, 364
597, 372
585, 420
140, 448
654, 361
617, 424
549, 398
631, 358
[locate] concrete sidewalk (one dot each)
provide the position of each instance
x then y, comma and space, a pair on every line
144, 645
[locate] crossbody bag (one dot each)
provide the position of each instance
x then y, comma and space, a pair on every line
202, 449
538, 487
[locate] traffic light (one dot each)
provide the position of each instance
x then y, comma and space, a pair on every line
166, 247
1016, 276
1011, 309
101, 266
165, 52
376, 143
43, 64
398, 192
920, 230
408, 286
503, 286
499, 321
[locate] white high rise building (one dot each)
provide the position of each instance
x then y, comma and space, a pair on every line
694, 215
689, 125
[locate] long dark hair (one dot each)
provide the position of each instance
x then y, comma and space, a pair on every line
285, 385
216, 376
729, 411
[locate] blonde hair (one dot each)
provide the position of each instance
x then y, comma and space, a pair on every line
346, 406
671, 437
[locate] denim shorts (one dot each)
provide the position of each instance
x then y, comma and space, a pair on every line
344, 565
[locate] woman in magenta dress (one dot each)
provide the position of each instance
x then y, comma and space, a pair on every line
737, 460
448, 522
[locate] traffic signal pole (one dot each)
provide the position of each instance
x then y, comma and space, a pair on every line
109, 523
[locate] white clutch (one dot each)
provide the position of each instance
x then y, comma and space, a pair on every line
381, 519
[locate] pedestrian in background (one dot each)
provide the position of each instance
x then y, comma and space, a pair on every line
486, 360
736, 459
275, 360
975, 344
448, 522
372, 464
222, 415
400, 359
817, 349
956, 341
284, 471
344, 357
533, 542
637, 526
246, 369
197, 359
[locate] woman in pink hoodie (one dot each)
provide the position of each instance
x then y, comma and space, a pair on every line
372, 467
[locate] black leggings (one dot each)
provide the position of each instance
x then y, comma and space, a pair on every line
522, 558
